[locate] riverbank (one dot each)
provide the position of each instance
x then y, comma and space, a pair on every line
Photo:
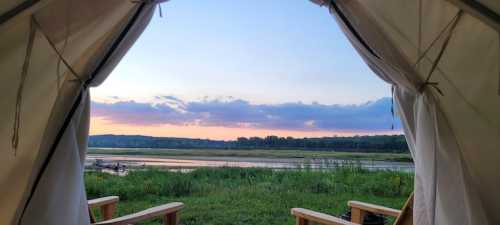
394, 157
215, 196
188, 163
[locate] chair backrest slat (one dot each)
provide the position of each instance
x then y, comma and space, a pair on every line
406, 216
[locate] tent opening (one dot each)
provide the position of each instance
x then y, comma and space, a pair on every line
210, 86
440, 57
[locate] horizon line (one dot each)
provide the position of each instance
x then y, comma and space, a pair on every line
356, 135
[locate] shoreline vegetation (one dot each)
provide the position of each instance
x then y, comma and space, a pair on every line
245, 196
375, 148
259, 153
368, 144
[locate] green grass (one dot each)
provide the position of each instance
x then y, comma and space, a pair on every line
236, 196
400, 157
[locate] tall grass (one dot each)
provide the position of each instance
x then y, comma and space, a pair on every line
250, 196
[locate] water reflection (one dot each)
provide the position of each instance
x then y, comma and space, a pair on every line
187, 163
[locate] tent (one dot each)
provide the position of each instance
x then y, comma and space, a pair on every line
441, 56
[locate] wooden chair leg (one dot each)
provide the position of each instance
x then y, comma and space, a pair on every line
170, 219
357, 215
107, 211
92, 216
302, 221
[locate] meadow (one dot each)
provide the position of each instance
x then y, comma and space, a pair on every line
243, 196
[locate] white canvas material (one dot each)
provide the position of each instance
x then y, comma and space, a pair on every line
76, 44
452, 125
52, 51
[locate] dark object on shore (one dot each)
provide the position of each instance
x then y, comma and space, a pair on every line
101, 164
119, 167
370, 218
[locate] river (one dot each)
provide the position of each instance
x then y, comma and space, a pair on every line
186, 163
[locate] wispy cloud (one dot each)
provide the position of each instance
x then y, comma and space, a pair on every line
371, 116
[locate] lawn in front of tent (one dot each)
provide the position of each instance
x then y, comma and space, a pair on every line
240, 196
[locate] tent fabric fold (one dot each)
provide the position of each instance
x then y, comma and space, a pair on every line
441, 56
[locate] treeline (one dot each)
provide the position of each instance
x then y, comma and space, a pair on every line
376, 143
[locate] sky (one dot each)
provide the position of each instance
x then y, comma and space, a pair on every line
221, 69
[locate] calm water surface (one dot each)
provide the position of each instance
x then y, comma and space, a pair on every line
191, 162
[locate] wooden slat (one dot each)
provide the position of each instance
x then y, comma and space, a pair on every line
374, 208
357, 215
170, 219
145, 215
108, 210
321, 218
406, 215
94, 203
302, 221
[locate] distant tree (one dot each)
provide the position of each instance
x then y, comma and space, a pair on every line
376, 143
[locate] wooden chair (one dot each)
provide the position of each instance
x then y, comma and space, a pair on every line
107, 205
358, 211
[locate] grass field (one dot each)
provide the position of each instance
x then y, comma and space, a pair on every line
235, 196
399, 157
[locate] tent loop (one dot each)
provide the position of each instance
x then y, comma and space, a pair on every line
159, 2
24, 74
392, 106
438, 58
159, 10
72, 71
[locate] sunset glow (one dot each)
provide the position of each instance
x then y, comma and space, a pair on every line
101, 126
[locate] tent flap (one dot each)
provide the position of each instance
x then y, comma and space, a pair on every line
72, 38
453, 128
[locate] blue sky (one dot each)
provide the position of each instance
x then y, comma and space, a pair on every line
263, 52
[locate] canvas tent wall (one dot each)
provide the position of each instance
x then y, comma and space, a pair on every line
51, 51
442, 57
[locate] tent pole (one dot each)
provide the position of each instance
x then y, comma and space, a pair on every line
479, 11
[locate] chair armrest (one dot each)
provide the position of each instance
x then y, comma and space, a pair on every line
168, 211
306, 216
374, 208
107, 206
94, 203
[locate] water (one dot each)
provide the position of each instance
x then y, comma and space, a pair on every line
187, 163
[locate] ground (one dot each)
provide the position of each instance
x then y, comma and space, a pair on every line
236, 196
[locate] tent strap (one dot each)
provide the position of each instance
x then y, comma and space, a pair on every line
59, 55
19, 98
427, 81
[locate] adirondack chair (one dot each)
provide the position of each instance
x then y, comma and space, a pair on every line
107, 205
358, 211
